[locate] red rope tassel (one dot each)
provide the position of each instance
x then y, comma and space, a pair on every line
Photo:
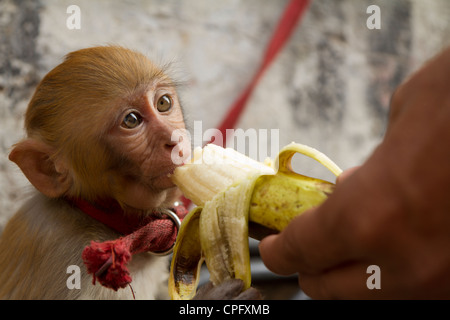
107, 261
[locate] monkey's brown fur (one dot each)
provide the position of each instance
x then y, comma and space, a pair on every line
77, 146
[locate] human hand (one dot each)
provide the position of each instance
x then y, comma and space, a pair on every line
392, 212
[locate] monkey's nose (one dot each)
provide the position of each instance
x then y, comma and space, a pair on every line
177, 153
172, 145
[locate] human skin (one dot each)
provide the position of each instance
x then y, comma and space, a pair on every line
393, 211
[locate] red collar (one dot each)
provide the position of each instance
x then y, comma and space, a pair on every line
107, 261
113, 216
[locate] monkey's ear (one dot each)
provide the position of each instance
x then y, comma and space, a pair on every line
34, 159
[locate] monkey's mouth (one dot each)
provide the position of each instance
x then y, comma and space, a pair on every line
163, 180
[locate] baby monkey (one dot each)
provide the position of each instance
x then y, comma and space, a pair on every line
99, 130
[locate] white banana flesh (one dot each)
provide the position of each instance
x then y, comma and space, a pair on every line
230, 191
213, 169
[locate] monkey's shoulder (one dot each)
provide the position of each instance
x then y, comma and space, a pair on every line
45, 237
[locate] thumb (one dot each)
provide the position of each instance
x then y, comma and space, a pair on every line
347, 173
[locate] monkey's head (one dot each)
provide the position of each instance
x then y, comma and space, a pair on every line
100, 126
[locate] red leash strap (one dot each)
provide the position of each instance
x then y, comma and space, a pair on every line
289, 19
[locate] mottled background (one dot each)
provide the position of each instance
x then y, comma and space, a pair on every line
329, 88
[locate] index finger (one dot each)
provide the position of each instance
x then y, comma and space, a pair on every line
319, 238
302, 246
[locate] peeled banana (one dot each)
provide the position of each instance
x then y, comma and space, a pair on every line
231, 192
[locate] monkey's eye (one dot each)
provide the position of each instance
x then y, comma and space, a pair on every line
132, 120
164, 103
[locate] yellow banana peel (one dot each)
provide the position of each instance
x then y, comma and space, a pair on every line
231, 192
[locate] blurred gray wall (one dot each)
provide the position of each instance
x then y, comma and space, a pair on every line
329, 88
